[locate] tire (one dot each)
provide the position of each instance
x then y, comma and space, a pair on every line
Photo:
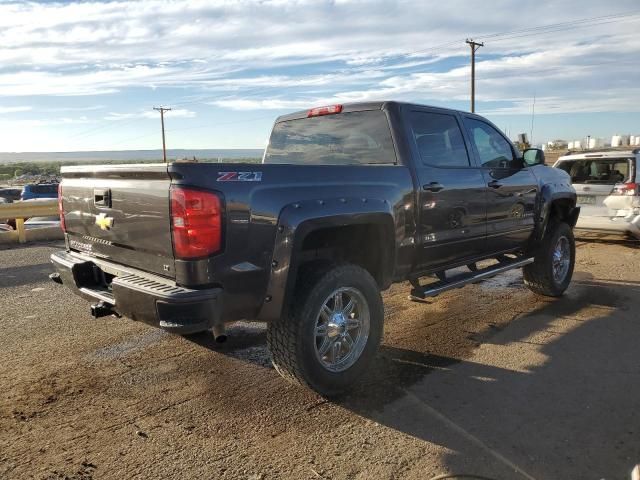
298, 341
546, 275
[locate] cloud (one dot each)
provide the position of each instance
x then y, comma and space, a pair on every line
151, 114
99, 48
23, 108
101, 62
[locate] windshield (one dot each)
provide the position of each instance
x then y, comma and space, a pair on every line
603, 171
340, 139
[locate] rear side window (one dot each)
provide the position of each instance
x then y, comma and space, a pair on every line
439, 139
340, 139
603, 171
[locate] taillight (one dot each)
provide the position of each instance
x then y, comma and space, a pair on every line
629, 189
320, 111
60, 209
196, 223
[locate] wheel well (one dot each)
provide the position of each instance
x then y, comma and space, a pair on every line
563, 209
366, 245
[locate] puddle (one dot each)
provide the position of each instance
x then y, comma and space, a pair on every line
510, 279
246, 341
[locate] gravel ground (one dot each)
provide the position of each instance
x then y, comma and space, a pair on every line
488, 380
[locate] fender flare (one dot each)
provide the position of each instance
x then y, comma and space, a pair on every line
548, 196
297, 220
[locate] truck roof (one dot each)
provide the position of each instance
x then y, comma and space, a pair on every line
356, 107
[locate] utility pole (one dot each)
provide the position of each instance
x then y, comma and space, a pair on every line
164, 146
474, 46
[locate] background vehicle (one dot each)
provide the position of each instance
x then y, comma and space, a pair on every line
39, 190
10, 194
348, 200
608, 188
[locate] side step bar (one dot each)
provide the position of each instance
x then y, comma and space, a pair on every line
458, 281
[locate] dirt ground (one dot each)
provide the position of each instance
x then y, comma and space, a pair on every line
487, 380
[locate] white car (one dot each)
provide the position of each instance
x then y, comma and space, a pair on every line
608, 188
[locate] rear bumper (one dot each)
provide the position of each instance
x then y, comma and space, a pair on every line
621, 226
140, 296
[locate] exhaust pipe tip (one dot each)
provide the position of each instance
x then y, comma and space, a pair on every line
219, 333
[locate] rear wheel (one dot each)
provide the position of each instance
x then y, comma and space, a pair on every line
332, 332
552, 269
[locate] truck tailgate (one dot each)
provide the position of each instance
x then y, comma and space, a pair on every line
120, 213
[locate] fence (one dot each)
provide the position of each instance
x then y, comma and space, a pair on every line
23, 210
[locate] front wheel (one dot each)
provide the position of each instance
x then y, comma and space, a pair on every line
552, 269
332, 332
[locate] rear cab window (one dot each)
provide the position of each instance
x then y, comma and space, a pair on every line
352, 138
600, 171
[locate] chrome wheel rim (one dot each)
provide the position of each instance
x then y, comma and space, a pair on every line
561, 259
341, 329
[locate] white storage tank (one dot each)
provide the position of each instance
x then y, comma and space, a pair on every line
596, 143
637, 142
616, 141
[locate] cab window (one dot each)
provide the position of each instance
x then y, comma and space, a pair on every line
493, 149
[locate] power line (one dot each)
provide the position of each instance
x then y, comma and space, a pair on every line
538, 30
572, 24
210, 125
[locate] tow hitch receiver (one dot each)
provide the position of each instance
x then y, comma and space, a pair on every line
102, 309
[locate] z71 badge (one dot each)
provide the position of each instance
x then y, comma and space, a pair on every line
239, 177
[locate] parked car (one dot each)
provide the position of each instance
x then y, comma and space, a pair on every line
10, 194
348, 200
608, 187
39, 190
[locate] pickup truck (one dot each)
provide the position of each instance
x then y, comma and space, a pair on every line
348, 199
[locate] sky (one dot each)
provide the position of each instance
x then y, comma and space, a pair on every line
86, 75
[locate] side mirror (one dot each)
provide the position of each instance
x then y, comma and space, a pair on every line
533, 156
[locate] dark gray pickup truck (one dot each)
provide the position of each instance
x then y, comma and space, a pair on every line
348, 200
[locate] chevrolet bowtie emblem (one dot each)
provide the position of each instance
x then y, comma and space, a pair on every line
104, 222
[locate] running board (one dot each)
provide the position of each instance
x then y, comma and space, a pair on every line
459, 281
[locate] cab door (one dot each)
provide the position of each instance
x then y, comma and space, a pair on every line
452, 190
510, 186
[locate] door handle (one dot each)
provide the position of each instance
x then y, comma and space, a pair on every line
433, 187
494, 184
